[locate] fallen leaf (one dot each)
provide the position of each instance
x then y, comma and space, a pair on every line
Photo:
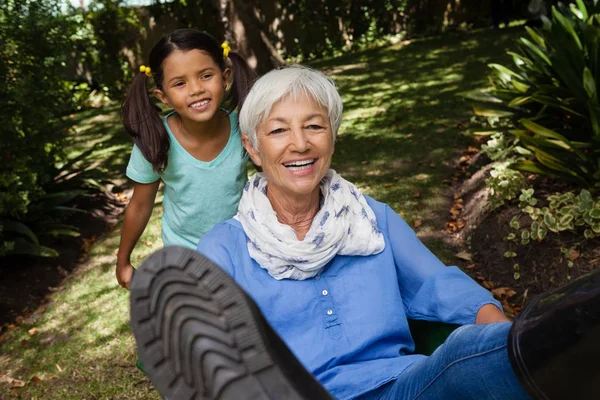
470, 266
148, 243
364, 162
574, 254
488, 284
387, 185
472, 150
36, 380
32, 331
463, 255
451, 227
418, 222
14, 393
14, 383
417, 195
58, 368
503, 292
421, 177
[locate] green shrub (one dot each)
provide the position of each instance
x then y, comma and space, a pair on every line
37, 43
551, 95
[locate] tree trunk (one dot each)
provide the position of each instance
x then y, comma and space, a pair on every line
251, 37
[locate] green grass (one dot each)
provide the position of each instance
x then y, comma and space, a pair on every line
404, 126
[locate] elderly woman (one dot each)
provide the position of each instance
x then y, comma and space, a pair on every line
335, 273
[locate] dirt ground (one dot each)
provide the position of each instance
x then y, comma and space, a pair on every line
27, 282
481, 234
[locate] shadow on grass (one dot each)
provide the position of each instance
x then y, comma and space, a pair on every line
405, 120
81, 346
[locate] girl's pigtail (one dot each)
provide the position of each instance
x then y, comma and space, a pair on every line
141, 119
243, 79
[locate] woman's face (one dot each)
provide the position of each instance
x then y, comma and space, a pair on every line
295, 146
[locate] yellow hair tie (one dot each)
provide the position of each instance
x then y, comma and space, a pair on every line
226, 49
146, 70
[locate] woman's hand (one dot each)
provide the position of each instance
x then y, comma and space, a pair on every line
490, 313
124, 274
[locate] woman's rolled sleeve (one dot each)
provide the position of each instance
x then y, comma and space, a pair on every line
430, 290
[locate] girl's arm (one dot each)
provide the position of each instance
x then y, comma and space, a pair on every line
137, 214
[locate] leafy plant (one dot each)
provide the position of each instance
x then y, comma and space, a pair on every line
504, 183
577, 213
551, 96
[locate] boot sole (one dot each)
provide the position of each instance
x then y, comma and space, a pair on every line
199, 335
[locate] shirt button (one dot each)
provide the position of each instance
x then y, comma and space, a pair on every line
318, 277
329, 312
324, 292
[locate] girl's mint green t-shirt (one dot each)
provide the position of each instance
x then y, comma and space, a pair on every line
198, 195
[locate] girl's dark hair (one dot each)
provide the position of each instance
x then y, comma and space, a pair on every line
141, 118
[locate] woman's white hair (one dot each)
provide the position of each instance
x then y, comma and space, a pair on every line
279, 83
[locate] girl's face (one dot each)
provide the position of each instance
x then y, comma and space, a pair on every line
193, 85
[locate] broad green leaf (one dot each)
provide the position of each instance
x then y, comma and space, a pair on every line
536, 37
535, 50
542, 131
556, 103
595, 213
553, 162
63, 232
582, 9
540, 169
18, 227
585, 196
523, 151
589, 84
489, 112
567, 26
32, 249
576, 11
519, 101
545, 132
593, 113
521, 87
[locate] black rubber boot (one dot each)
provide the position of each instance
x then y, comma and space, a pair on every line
200, 336
554, 343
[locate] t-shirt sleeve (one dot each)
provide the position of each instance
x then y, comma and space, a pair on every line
430, 290
219, 245
139, 169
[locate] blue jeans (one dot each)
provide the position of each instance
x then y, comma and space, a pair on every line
472, 364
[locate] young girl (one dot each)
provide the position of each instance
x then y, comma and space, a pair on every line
195, 150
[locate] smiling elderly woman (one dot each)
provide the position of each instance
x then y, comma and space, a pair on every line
335, 273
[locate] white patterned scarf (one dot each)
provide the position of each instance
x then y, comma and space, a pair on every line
344, 225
